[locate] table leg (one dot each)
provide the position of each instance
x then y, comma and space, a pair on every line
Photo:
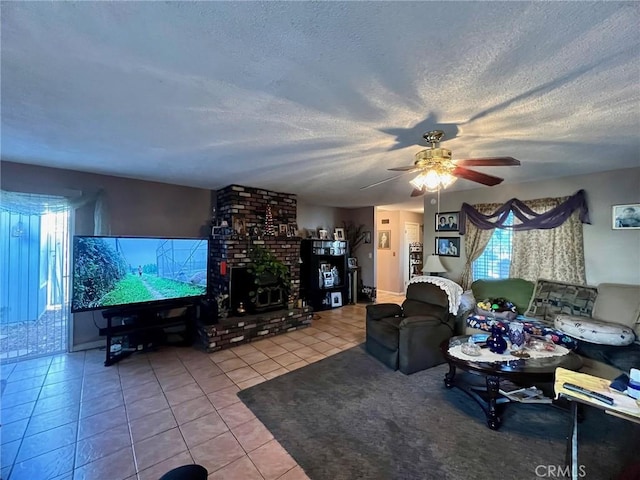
493, 385
572, 442
448, 377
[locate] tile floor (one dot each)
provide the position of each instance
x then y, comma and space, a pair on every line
68, 416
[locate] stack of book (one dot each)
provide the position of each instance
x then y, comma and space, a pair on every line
525, 395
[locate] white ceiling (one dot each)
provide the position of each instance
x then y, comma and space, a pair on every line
319, 98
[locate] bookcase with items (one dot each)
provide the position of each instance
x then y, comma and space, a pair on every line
324, 273
415, 260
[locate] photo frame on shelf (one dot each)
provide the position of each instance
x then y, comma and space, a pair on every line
447, 222
338, 234
293, 230
283, 229
448, 246
325, 267
322, 234
352, 262
625, 217
384, 239
336, 299
327, 279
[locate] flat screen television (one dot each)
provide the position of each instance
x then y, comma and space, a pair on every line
121, 271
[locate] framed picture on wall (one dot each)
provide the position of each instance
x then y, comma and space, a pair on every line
367, 237
239, 226
384, 239
448, 246
447, 222
626, 217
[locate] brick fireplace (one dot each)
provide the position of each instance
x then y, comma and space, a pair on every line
245, 211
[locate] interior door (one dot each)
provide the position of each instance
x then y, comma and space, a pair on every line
411, 235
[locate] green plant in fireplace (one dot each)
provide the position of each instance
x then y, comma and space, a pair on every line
267, 269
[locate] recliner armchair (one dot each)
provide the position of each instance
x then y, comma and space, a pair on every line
408, 337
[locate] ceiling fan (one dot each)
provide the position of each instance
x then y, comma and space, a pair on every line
438, 171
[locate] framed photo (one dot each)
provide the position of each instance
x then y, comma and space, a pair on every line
239, 226
447, 222
293, 230
367, 237
448, 246
384, 239
338, 234
327, 279
283, 229
336, 299
626, 217
322, 234
325, 267
352, 262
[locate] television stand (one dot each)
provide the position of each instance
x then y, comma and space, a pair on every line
140, 328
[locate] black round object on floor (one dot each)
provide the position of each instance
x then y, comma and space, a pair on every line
186, 472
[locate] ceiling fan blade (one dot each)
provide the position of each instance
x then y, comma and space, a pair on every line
478, 177
488, 162
417, 192
385, 180
411, 168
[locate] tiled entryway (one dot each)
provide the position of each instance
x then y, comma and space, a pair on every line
68, 416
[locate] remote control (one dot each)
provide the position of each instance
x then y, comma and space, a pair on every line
588, 393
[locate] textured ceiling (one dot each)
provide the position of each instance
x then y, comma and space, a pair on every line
319, 98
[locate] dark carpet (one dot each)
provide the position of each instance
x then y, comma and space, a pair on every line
350, 417
623, 358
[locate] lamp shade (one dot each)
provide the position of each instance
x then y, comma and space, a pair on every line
433, 265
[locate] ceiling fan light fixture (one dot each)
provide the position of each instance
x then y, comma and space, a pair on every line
432, 180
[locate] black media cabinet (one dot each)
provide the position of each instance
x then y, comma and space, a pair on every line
140, 328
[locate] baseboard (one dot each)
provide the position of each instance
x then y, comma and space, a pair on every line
88, 346
390, 293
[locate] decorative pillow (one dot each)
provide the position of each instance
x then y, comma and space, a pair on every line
552, 298
595, 331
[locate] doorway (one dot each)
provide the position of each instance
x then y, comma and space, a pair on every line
34, 298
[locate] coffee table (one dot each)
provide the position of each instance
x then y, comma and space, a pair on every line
526, 372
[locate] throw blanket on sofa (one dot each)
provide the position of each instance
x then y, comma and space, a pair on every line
451, 288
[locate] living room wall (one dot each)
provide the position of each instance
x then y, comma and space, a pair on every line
313, 217
135, 208
610, 255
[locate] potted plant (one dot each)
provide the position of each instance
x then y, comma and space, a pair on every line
267, 270
354, 234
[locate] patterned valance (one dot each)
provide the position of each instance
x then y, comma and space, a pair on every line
529, 220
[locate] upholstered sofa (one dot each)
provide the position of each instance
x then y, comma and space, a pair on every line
605, 320
407, 337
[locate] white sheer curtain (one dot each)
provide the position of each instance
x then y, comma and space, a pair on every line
39, 204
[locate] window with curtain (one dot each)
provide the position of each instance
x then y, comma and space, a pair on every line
550, 253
